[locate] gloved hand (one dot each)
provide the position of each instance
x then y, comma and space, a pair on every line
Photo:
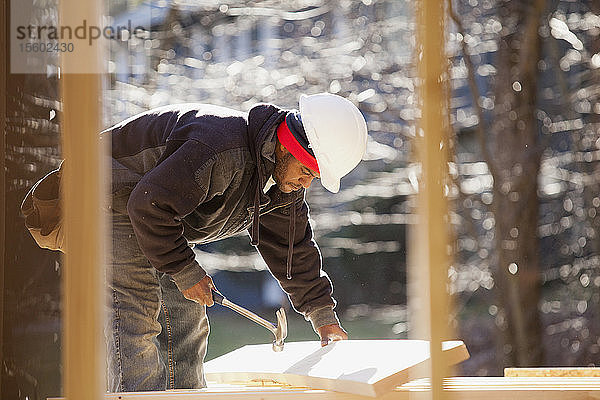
201, 292
333, 333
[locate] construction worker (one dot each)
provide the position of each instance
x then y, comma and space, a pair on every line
196, 173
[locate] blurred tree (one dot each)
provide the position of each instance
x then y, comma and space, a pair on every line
512, 148
514, 164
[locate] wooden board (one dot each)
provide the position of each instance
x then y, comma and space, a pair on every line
363, 367
553, 372
458, 388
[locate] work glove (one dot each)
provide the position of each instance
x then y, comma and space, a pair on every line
201, 292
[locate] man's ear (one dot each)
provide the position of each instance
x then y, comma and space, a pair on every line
280, 149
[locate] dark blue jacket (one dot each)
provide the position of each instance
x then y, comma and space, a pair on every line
194, 173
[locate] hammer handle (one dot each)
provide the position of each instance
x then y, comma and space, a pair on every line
220, 299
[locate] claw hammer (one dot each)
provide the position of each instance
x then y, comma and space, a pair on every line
279, 330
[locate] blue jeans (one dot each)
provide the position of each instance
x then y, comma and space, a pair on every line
156, 338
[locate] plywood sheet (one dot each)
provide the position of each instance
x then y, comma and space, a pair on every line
363, 367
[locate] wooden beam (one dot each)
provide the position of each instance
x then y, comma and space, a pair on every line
83, 342
83, 195
4, 66
428, 297
459, 388
552, 372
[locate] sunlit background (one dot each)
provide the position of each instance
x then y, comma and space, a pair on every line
524, 94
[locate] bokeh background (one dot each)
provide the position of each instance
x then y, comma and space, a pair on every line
524, 84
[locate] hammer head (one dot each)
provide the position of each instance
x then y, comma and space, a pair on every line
281, 331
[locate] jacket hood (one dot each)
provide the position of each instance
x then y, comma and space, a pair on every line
263, 119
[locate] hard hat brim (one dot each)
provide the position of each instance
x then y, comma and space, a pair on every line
328, 180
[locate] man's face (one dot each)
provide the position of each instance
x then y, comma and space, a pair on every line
290, 174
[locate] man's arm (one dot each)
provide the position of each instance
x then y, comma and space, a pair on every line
157, 205
309, 289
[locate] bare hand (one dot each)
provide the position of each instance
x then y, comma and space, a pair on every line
201, 292
331, 333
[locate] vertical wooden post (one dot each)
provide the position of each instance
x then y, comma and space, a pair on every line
4, 63
429, 269
83, 195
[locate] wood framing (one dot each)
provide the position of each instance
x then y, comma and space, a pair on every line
580, 372
83, 291
364, 367
430, 260
83, 196
4, 63
462, 388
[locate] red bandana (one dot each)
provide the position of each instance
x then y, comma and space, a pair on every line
287, 139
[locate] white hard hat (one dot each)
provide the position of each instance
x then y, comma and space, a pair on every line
337, 134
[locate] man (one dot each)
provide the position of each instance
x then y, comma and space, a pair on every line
197, 173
